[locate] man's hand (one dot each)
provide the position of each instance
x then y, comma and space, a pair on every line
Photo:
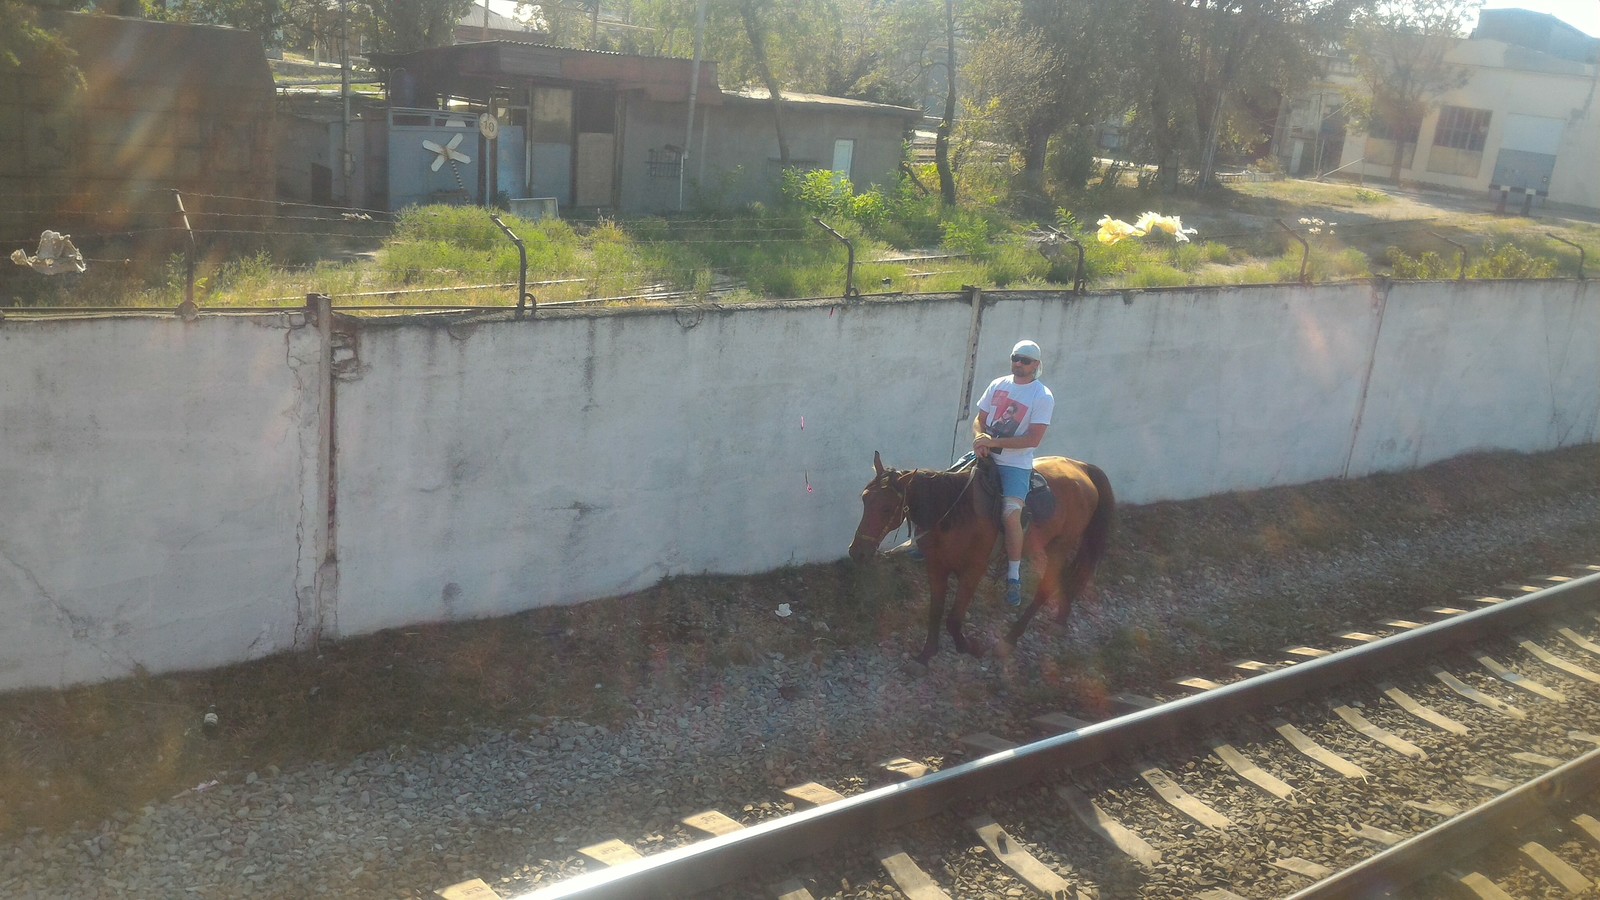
982, 444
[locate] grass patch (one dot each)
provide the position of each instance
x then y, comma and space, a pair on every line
449, 255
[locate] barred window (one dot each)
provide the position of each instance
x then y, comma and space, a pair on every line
1462, 129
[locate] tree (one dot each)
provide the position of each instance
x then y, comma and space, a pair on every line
1212, 63
1046, 68
947, 122
31, 52
1401, 54
752, 14
402, 25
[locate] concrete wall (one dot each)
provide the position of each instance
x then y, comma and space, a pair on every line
169, 482
162, 494
491, 469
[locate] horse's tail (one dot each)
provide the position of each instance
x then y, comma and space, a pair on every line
1095, 542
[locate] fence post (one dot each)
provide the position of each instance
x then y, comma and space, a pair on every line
317, 571
1462, 275
1577, 247
1305, 248
850, 292
523, 297
1077, 278
188, 309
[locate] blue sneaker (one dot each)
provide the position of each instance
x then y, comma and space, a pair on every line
916, 553
1013, 592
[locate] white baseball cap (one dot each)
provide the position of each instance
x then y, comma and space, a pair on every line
1026, 348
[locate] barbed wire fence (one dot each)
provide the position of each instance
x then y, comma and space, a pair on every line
231, 253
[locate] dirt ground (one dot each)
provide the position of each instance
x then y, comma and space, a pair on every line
83, 754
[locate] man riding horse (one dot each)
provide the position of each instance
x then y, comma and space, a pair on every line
1013, 415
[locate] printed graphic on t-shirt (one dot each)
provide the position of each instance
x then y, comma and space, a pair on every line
1008, 415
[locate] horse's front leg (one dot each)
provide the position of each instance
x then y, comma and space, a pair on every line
938, 584
966, 587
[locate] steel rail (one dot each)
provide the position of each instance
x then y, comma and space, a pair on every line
707, 864
1423, 855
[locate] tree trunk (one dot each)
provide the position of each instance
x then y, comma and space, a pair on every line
758, 50
1034, 149
1208, 158
941, 143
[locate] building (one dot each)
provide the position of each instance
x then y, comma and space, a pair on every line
163, 107
1524, 124
608, 131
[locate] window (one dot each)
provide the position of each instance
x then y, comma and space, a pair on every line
1461, 129
664, 163
1379, 129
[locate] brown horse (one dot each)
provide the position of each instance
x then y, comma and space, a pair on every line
956, 519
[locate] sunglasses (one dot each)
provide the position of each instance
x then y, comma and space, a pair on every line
1022, 359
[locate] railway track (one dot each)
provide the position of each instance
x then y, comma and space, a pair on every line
1450, 751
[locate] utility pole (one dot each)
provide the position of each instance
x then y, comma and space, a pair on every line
346, 161
694, 92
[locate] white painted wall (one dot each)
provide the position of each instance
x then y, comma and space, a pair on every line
165, 479
155, 474
513, 465
1487, 365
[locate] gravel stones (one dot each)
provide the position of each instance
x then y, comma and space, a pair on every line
512, 805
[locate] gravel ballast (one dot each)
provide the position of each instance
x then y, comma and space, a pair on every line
511, 803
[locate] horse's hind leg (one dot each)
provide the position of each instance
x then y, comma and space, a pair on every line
1049, 586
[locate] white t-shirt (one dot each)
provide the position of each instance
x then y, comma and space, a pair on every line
1013, 408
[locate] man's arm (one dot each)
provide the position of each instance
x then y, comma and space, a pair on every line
1033, 437
980, 433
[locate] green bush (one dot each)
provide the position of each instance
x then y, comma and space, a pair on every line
1495, 261
967, 232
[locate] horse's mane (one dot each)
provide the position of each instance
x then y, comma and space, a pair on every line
941, 500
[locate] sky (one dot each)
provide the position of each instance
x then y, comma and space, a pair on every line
1583, 15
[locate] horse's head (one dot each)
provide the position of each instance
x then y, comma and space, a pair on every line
883, 509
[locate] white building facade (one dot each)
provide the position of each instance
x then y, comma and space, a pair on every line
1524, 124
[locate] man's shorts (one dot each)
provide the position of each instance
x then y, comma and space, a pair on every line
1014, 481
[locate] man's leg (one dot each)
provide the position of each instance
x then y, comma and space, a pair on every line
1014, 484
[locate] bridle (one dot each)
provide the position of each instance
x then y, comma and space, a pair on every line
904, 514
902, 517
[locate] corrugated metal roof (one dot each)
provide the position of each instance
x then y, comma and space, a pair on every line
804, 99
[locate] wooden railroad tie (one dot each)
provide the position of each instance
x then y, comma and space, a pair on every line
1092, 817
472, 889
1022, 863
908, 876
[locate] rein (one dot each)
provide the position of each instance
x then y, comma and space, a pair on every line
905, 505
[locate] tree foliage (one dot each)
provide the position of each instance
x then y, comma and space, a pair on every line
1044, 69
1400, 52
30, 50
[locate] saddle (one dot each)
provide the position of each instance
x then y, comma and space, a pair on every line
1040, 502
